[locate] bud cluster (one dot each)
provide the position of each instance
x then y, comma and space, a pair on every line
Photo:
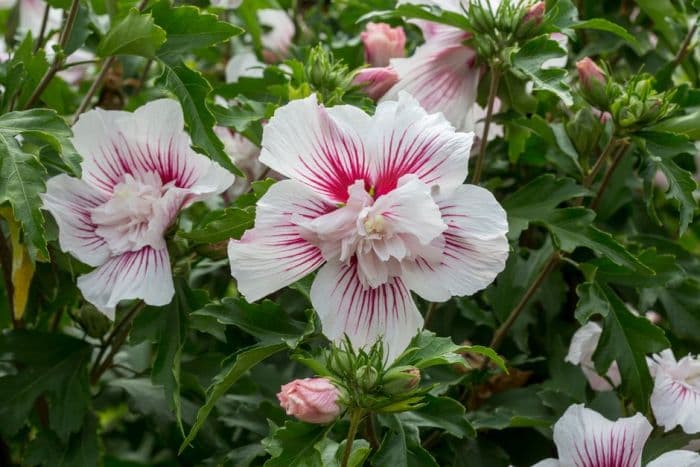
329, 78
633, 105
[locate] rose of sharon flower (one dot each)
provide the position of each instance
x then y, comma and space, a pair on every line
581, 350
138, 172
675, 400
375, 82
312, 400
382, 43
380, 201
584, 438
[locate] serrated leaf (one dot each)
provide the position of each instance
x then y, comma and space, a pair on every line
627, 339
136, 34
21, 182
188, 28
573, 228
401, 447
442, 413
529, 60
222, 225
425, 12
591, 301
665, 267
601, 24
537, 198
192, 90
233, 369
295, 444
427, 349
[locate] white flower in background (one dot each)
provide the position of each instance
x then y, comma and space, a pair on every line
380, 201
584, 438
675, 400
138, 172
244, 64
278, 37
581, 350
246, 156
228, 4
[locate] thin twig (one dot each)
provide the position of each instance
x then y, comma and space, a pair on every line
493, 91
609, 148
622, 149
355, 419
58, 59
371, 432
683, 50
429, 315
93, 88
42, 30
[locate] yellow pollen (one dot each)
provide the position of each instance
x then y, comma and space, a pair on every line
375, 224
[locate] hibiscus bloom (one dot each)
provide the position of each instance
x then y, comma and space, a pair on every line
584, 438
380, 201
676, 397
138, 172
581, 350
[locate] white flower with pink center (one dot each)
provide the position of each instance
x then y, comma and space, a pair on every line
583, 345
584, 438
675, 400
138, 172
380, 201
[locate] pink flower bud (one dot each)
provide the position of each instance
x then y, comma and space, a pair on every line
589, 72
535, 13
382, 43
653, 316
376, 81
312, 400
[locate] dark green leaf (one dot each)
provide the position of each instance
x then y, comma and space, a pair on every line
601, 24
136, 34
294, 444
222, 225
591, 301
443, 413
529, 60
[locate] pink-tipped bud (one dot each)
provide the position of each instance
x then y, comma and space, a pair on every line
593, 82
401, 379
653, 316
376, 82
535, 13
382, 43
311, 400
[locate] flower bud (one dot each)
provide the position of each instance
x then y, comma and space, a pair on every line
534, 14
376, 81
311, 400
382, 43
401, 379
653, 316
593, 82
367, 376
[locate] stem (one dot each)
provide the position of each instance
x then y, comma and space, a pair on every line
609, 148
93, 88
493, 90
622, 149
6, 265
355, 419
116, 339
42, 30
371, 432
58, 60
683, 51
429, 314
502, 331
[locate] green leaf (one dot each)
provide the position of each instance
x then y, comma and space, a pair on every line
591, 301
573, 228
294, 444
682, 305
660, 149
529, 60
529, 203
601, 24
192, 90
233, 369
665, 267
426, 12
664, 15
401, 447
686, 125
21, 182
82, 449
52, 364
48, 126
222, 226
332, 452
267, 320
136, 34
627, 339
443, 413
189, 29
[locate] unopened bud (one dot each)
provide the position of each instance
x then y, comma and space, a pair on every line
382, 43
535, 14
593, 82
311, 400
401, 379
376, 82
367, 376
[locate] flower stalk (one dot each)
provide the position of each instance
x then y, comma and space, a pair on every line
493, 91
356, 416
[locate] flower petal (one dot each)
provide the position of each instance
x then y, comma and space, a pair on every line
676, 399
150, 140
475, 248
442, 75
548, 463
585, 438
143, 274
320, 147
364, 314
409, 141
71, 201
581, 350
274, 254
678, 458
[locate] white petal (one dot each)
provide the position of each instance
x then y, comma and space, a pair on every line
407, 140
364, 314
475, 248
581, 350
274, 254
70, 201
584, 438
320, 147
150, 140
548, 463
675, 399
676, 459
442, 75
280, 34
244, 64
143, 274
